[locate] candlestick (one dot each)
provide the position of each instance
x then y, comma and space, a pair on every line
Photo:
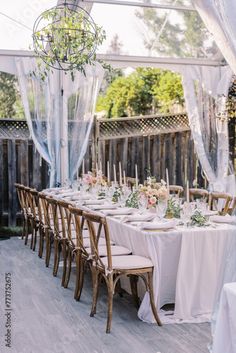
83, 168
96, 169
187, 191
136, 176
120, 173
124, 177
100, 165
108, 172
114, 170
167, 182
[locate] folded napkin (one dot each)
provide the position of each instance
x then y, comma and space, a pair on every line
102, 207
159, 225
119, 211
223, 219
93, 202
138, 218
210, 213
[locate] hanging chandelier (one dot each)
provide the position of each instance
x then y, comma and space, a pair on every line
66, 37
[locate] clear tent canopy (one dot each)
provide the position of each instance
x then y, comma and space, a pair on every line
166, 34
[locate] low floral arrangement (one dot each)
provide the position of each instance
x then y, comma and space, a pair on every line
153, 194
173, 209
116, 194
132, 200
91, 180
197, 219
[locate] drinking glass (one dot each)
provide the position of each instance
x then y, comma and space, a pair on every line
161, 208
186, 212
142, 203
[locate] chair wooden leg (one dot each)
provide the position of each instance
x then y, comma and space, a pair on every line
65, 259
26, 231
68, 270
80, 264
95, 290
48, 248
110, 302
41, 241
151, 294
134, 290
24, 228
56, 256
36, 228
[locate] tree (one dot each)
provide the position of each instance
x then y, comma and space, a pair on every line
115, 46
145, 91
188, 38
8, 95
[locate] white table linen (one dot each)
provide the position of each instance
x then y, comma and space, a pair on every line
225, 333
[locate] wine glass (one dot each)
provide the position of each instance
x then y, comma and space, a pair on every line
142, 203
186, 212
161, 208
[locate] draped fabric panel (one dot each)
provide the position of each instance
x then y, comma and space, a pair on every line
202, 87
59, 113
219, 18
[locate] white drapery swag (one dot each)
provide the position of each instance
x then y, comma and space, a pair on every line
202, 86
59, 113
219, 18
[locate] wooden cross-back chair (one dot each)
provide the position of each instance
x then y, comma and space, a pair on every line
176, 190
232, 207
29, 215
68, 240
195, 193
56, 231
216, 197
20, 189
111, 268
82, 248
34, 201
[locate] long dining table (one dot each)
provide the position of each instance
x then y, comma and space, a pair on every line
189, 264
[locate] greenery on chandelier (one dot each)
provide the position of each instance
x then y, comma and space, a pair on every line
68, 41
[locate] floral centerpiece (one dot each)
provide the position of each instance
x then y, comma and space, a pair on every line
154, 192
92, 180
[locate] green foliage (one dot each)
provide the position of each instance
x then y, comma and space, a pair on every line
145, 91
169, 92
132, 200
10, 103
197, 219
73, 40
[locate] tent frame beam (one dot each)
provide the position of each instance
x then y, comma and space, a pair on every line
141, 4
128, 60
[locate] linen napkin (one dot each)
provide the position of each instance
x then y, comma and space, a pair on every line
224, 219
119, 211
93, 202
159, 225
138, 218
103, 207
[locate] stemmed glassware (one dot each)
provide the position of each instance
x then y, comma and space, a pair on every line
161, 207
142, 203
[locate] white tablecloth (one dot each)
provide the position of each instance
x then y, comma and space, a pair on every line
225, 333
189, 266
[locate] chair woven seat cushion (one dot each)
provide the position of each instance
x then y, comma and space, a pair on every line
116, 250
128, 262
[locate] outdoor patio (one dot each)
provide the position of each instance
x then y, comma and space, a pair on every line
118, 176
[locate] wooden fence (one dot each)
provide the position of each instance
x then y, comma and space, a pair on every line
153, 143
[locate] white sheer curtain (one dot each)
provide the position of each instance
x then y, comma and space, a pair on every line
219, 18
202, 87
59, 113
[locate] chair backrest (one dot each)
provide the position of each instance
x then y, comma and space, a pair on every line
130, 181
65, 219
44, 212
28, 203
232, 208
34, 201
78, 221
21, 195
176, 190
216, 197
97, 224
53, 215
198, 194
